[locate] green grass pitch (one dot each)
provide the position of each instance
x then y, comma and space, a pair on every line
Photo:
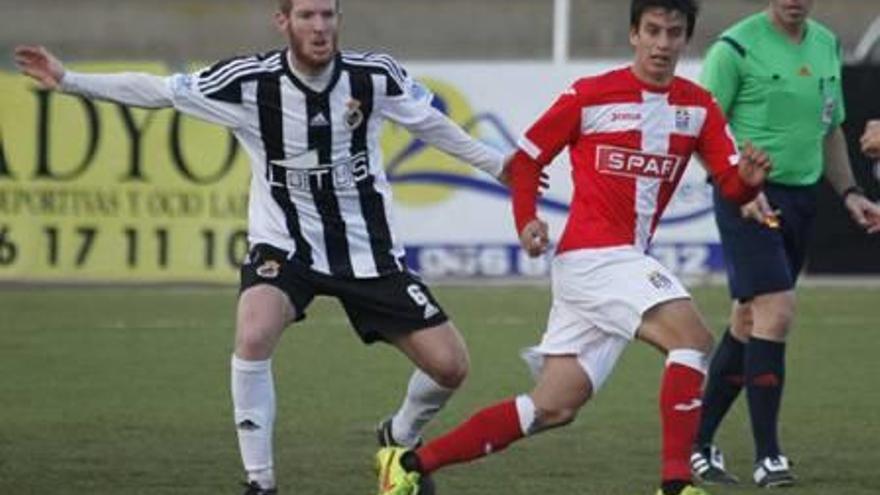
124, 391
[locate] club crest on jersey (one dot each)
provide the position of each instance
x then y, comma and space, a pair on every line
659, 280
269, 269
354, 116
682, 119
632, 163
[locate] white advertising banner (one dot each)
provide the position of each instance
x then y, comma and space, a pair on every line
458, 222
95, 191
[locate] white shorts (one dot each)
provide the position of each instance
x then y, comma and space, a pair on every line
599, 297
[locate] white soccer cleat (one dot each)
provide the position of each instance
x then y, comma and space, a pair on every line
773, 472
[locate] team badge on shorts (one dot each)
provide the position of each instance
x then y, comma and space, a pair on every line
354, 117
269, 269
659, 280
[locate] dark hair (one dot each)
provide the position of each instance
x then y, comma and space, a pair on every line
689, 8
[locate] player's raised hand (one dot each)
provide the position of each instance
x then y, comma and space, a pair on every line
40, 65
754, 165
535, 237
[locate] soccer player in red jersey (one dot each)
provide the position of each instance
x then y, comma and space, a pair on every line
630, 133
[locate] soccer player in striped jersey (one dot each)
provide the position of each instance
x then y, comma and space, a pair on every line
630, 133
320, 212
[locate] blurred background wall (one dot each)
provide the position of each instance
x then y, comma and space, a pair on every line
176, 30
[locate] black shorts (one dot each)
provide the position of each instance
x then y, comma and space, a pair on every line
759, 259
378, 308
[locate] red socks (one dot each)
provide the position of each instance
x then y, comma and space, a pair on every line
494, 428
680, 407
489, 430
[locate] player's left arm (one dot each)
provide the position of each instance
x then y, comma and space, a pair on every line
408, 103
838, 172
440, 131
558, 127
739, 176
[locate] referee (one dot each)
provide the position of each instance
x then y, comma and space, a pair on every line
777, 76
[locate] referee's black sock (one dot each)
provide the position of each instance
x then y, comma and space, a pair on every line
765, 377
723, 384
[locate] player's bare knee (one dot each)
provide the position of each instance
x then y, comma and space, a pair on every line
452, 372
773, 323
254, 342
783, 317
773, 314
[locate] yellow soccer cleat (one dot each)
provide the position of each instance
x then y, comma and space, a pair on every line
393, 479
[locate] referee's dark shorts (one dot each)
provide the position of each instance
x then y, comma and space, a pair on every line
760, 259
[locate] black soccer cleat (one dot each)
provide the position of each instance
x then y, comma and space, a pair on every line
254, 488
773, 472
707, 465
386, 439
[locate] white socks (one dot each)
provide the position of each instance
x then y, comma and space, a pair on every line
253, 397
424, 397
525, 410
691, 358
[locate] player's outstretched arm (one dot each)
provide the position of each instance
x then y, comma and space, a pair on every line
129, 88
39, 64
440, 131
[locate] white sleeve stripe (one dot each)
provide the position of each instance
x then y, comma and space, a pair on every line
376, 63
378, 58
231, 71
212, 87
392, 64
391, 68
385, 70
229, 68
529, 147
218, 81
224, 75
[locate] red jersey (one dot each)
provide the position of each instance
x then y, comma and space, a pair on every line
629, 144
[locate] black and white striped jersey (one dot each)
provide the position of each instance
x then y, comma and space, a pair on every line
318, 185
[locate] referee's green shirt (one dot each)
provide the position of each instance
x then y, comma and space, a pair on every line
782, 96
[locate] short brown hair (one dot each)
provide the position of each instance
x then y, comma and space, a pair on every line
285, 6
